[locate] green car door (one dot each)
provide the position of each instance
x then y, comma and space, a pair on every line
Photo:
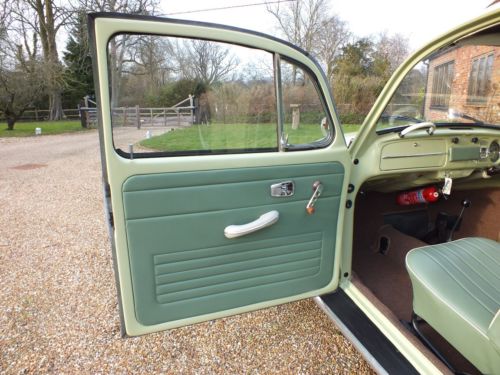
225, 170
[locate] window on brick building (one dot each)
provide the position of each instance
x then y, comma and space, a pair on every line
479, 79
441, 85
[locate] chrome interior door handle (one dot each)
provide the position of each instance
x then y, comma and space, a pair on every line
265, 220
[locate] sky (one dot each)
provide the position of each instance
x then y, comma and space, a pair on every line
419, 20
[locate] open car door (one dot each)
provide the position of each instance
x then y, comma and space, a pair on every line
225, 169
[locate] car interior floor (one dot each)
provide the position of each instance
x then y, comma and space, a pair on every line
385, 232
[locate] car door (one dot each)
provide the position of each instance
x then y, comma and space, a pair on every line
225, 170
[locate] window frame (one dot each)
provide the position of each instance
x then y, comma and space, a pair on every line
440, 100
282, 145
477, 87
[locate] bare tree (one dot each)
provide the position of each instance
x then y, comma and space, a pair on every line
19, 89
309, 25
20, 69
116, 60
393, 48
121, 6
205, 61
328, 42
300, 20
4, 20
146, 69
148, 58
51, 18
45, 18
120, 45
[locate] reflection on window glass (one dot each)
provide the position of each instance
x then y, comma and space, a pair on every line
456, 85
305, 120
172, 94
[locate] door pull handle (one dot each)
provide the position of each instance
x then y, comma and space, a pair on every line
264, 221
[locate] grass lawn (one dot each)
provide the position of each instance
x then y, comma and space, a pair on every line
232, 136
351, 128
25, 129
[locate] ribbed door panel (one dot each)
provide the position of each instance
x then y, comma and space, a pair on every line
183, 266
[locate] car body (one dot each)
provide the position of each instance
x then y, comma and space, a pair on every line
265, 216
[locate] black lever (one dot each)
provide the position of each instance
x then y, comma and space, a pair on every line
465, 204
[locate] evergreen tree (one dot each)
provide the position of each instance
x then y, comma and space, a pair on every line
356, 59
78, 73
360, 75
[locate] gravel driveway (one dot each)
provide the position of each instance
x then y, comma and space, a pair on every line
58, 310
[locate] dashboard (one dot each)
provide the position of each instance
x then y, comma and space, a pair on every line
465, 155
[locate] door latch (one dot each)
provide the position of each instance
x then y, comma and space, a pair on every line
283, 189
317, 190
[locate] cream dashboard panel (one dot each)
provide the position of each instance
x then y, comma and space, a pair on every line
446, 151
411, 154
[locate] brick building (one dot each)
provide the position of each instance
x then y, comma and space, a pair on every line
465, 79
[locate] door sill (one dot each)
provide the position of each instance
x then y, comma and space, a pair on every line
373, 345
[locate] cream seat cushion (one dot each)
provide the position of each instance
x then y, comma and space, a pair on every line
456, 289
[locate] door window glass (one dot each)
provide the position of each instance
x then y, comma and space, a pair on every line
305, 119
173, 95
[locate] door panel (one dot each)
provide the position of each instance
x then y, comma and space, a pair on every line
174, 266
182, 264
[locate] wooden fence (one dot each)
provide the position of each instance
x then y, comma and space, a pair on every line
181, 114
177, 115
43, 115
138, 117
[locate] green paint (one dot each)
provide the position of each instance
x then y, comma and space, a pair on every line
182, 265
